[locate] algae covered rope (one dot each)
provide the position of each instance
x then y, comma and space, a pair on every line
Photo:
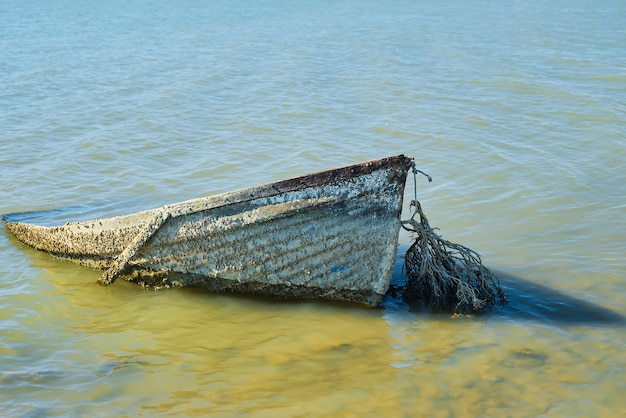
442, 275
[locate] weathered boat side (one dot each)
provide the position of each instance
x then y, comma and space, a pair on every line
331, 234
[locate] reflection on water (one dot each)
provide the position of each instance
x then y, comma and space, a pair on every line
237, 354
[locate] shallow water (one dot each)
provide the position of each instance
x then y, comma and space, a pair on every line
517, 110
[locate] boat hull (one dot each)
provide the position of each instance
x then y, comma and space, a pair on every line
330, 235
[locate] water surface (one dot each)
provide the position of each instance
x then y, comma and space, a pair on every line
516, 109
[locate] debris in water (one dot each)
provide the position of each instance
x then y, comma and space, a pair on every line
444, 276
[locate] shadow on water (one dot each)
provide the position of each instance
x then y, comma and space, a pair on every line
530, 301
536, 302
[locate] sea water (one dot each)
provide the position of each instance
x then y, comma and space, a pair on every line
516, 109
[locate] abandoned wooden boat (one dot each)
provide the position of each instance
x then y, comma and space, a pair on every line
331, 234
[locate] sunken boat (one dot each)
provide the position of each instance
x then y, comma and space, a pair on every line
331, 234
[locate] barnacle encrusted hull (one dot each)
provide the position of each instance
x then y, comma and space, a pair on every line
331, 235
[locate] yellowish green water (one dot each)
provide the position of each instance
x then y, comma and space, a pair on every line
516, 109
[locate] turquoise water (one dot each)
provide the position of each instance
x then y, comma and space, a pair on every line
517, 109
